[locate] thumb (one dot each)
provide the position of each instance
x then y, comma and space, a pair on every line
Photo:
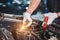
30, 22
24, 20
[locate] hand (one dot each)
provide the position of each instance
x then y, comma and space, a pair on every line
27, 16
52, 16
48, 19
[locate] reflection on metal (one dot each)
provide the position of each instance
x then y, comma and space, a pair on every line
17, 1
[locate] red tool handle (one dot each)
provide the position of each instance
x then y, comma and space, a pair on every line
45, 22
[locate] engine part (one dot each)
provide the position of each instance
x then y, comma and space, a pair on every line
5, 34
34, 32
54, 29
1, 16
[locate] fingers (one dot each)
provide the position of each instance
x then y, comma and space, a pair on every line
28, 25
30, 22
27, 17
24, 20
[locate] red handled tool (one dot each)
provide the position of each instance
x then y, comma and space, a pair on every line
45, 23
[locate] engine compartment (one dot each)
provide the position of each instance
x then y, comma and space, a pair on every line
12, 27
10, 30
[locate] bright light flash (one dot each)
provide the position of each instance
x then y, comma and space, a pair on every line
22, 28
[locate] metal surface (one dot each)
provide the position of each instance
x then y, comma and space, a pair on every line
32, 33
5, 34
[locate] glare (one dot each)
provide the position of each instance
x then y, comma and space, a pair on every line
9, 3
22, 28
4, 5
28, 2
17, 1
1, 4
26, 7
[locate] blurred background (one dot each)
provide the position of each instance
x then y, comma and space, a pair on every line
13, 6
19, 6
